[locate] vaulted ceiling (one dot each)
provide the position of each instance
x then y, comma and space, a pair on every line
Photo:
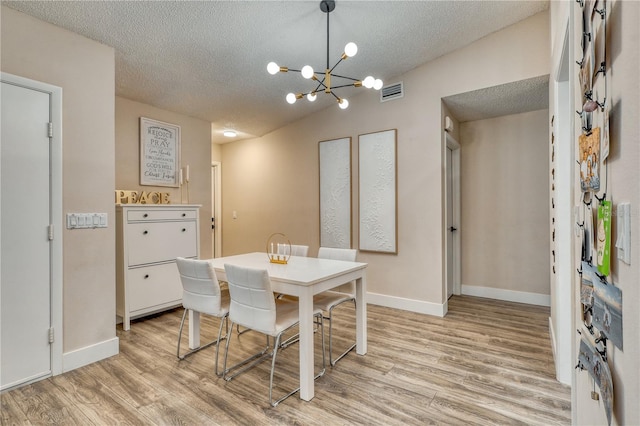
207, 59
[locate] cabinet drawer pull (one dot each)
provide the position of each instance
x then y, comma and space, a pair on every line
184, 229
145, 215
145, 232
146, 276
184, 214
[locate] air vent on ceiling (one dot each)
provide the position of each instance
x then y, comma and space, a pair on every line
393, 91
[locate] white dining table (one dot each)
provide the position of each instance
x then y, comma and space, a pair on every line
302, 277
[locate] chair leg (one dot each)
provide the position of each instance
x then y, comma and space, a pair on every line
349, 349
273, 365
240, 333
180, 333
223, 321
324, 360
199, 348
296, 337
258, 357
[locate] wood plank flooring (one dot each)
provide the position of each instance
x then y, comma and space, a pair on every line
486, 362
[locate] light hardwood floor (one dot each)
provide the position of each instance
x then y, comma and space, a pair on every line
486, 362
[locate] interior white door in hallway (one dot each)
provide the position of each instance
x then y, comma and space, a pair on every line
452, 188
216, 209
26, 235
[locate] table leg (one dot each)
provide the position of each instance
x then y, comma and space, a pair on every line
194, 329
361, 315
305, 302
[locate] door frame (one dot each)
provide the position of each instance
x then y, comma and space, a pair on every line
55, 213
216, 208
454, 146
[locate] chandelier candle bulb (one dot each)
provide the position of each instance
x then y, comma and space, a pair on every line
187, 174
273, 68
181, 177
307, 72
350, 50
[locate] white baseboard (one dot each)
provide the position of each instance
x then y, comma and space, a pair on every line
90, 354
507, 295
410, 305
552, 337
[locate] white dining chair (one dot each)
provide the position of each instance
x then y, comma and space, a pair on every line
201, 293
296, 249
329, 300
254, 307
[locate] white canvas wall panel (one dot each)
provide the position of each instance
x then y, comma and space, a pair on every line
335, 193
378, 183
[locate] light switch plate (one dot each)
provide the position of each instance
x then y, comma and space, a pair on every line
86, 220
623, 239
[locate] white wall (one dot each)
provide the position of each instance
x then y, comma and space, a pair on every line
504, 207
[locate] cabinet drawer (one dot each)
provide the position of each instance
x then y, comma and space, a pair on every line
153, 286
153, 215
161, 241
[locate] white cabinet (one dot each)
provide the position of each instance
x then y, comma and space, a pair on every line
148, 240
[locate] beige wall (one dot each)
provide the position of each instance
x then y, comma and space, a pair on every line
272, 182
85, 71
504, 203
195, 151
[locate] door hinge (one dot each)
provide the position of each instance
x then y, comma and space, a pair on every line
50, 232
50, 126
51, 335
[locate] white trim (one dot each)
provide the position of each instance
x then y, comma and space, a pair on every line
452, 144
411, 305
55, 115
216, 168
552, 337
90, 354
507, 295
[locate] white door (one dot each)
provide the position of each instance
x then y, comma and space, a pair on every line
452, 184
216, 221
25, 295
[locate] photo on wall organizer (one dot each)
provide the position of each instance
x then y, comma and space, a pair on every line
586, 284
590, 359
604, 150
590, 160
587, 234
607, 311
584, 76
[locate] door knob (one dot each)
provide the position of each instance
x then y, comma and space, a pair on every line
452, 228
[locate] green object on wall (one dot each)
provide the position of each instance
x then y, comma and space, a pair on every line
603, 237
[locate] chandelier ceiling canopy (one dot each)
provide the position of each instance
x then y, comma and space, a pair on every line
323, 80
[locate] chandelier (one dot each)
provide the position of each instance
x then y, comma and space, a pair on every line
323, 79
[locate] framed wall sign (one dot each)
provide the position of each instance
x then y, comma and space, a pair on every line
159, 153
335, 193
377, 192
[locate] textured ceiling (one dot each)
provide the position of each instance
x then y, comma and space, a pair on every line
505, 99
207, 59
